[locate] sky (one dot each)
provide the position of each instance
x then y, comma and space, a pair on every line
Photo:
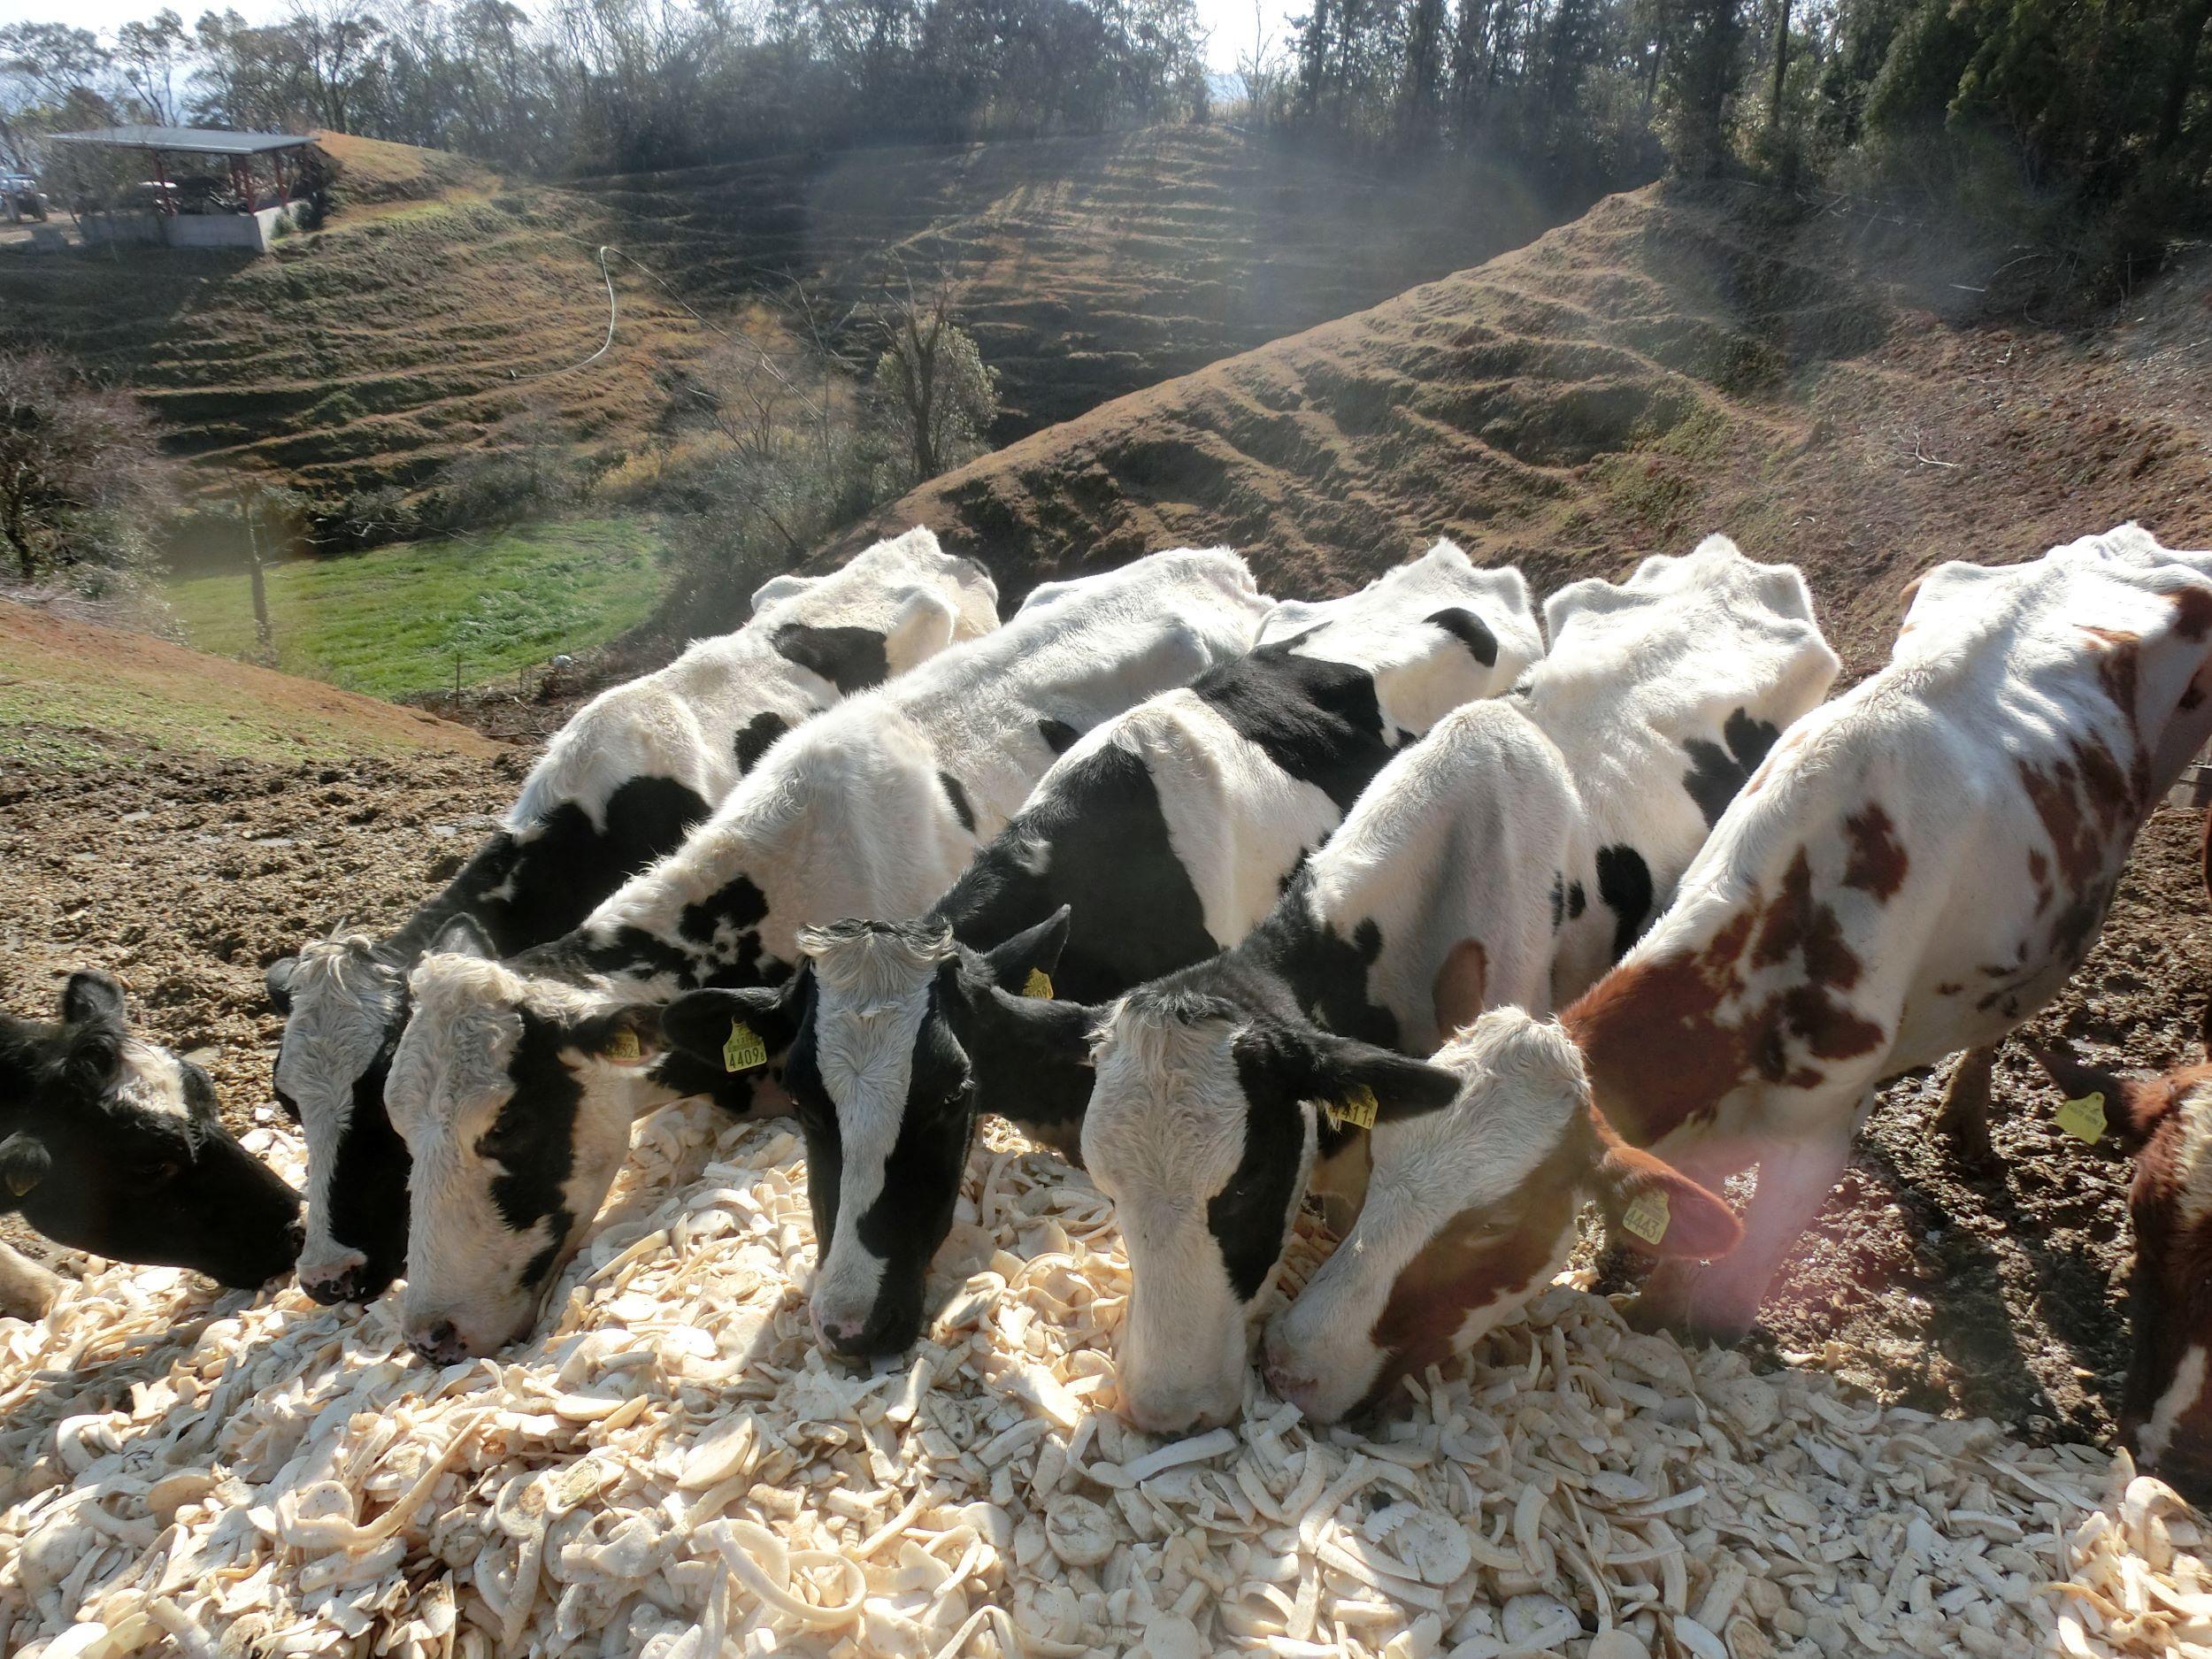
1230, 21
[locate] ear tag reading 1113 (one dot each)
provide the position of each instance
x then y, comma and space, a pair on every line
744, 1050
1647, 1216
2084, 1118
1039, 985
1358, 1108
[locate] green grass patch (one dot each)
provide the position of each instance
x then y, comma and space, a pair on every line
391, 621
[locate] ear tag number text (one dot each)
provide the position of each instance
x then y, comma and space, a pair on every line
1358, 1108
622, 1044
1646, 1218
1039, 985
2084, 1118
744, 1050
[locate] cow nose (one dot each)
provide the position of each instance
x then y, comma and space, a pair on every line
1288, 1384
440, 1344
347, 1283
841, 1334
1177, 1417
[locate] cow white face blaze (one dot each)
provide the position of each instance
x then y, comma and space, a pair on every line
1469, 1213
1201, 1130
515, 1099
344, 1006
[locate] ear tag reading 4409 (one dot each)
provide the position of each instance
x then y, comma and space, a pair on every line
1646, 1218
2084, 1118
744, 1050
1039, 985
1358, 1108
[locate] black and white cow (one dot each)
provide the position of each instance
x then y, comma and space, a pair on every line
620, 785
1160, 838
516, 1083
111, 1144
1664, 693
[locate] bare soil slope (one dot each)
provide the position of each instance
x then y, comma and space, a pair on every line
1677, 362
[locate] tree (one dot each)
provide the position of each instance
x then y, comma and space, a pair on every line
933, 393
79, 469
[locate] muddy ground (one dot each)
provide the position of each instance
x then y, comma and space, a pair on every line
1920, 1283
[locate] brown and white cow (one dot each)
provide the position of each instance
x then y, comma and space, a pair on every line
1916, 868
2164, 1122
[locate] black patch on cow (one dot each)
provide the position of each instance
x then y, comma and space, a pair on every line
1317, 720
1578, 900
1558, 900
1624, 889
755, 737
1248, 1216
958, 796
368, 1181
852, 659
556, 876
533, 1138
737, 904
1102, 842
1716, 773
1471, 631
1031, 1061
1059, 736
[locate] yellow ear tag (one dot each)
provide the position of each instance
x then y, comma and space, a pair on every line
622, 1045
1646, 1218
1358, 1108
1039, 985
2084, 1118
744, 1050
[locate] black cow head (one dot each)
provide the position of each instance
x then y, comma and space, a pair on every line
112, 1145
897, 1038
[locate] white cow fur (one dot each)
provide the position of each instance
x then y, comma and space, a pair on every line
1458, 838
680, 723
1636, 667
845, 817
1236, 821
1997, 669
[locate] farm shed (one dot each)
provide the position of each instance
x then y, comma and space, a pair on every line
199, 212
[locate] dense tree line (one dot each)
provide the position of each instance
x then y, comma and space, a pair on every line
581, 85
2094, 116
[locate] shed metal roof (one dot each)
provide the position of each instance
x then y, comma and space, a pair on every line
185, 141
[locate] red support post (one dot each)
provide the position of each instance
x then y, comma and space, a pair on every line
163, 204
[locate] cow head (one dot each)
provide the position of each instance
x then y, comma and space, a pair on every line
1202, 1129
344, 1002
897, 1038
112, 1145
2165, 1124
1468, 1215
515, 1097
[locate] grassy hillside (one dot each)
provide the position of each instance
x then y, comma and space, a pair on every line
76, 694
1677, 361
391, 621
443, 300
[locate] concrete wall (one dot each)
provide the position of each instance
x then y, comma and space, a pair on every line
256, 231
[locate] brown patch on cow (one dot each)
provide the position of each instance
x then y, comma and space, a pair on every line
1656, 1052
1479, 1259
1459, 987
2193, 613
2171, 1281
1877, 861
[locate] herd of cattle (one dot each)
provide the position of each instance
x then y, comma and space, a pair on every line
1239, 900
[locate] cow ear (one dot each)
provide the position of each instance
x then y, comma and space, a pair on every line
1304, 1064
1662, 1210
723, 1026
1010, 964
629, 1036
776, 589
24, 1162
922, 627
92, 997
462, 936
2133, 1106
277, 979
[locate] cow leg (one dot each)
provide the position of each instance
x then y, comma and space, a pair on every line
1962, 1120
1718, 1301
26, 1289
